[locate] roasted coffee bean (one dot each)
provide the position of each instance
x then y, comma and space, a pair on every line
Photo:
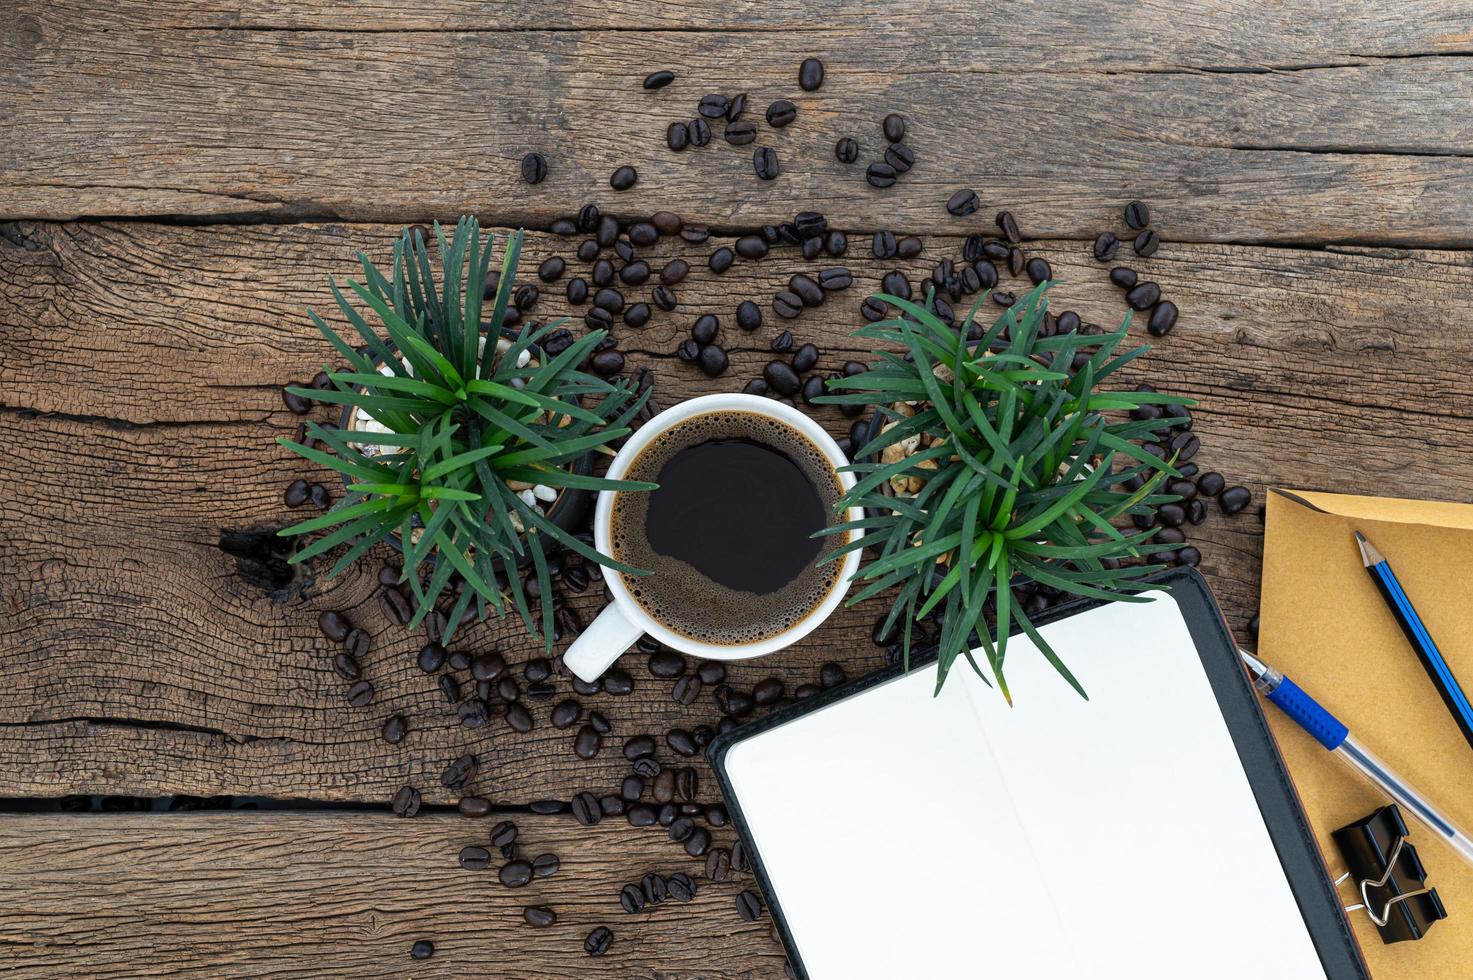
658, 79
588, 250
1146, 243
901, 158
460, 660
1137, 215
681, 828
835, 278
1234, 499
395, 728
618, 682
1004, 299
487, 666
406, 802
810, 292
1211, 484
781, 378
360, 694
539, 916
1185, 445
1171, 515
686, 690
666, 222
698, 842
473, 713
1016, 261
718, 864
606, 363
836, 244
880, 175
780, 344
805, 358
1039, 270
688, 350
1196, 511
546, 807
640, 815
475, 806
737, 107
713, 106
1143, 295
733, 703
475, 858
632, 788
623, 177
895, 284
810, 224
1188, 556
334, 625
655, 888
749, 906
713, 361
751, 247
526, 296
635, 273
681, 887
697, 132
638, 315
631, 898
551, 270
564, 227
639, 746
1008, 225
515, 874
962, 202
721, 260
566, 713
884, 246
810, 74
768, 691
711, 672
831, 675
296, 493
422, 949
893, 126
812, 388
1123, 276
662, 786
449, 688
681, 742
764, 162
545, 865
986, 274
586, 809
846, 150
664, 297
1106, 246
586, 743
995, 250
534, 168
588, 218
1163, 318
1068, 322
667, 663
596, 943
602, 273
908, 247
677, 136
519, 718
787, 304
347, 667
740, 133
748, 315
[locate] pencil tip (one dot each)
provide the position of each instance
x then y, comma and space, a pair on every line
1368, 552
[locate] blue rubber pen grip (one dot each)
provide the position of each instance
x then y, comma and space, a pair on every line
1307, 711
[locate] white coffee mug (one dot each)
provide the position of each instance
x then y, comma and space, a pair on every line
623, 621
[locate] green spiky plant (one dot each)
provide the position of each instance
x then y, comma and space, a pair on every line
1025, 467
463, 422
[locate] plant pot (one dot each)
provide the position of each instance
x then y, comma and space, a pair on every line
567, 511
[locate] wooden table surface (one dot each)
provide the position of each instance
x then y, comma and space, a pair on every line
179, 180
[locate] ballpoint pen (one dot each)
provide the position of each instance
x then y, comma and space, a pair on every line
1416, 632
1333, 735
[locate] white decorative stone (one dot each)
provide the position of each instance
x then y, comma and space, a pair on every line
544, 493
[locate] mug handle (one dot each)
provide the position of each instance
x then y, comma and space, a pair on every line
601, 643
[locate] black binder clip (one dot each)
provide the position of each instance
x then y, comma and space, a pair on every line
1391, 879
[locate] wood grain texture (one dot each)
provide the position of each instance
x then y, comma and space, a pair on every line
141, 661
346, 895
347, 116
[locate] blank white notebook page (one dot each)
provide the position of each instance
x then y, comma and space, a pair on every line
1115, 838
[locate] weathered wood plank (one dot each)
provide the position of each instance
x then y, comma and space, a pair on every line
331, 894
1193, 33
231, 124
140, 661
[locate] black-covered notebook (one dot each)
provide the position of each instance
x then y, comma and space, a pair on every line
1149, 832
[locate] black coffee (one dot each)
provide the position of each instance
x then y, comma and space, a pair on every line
728, 536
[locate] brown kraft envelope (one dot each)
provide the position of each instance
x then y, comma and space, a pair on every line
1324, 624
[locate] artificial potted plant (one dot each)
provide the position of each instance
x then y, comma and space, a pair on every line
998, 455
461, 436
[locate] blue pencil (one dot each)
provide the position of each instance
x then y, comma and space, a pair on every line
1416, 633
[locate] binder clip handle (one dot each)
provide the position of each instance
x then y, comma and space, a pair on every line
1389, 876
